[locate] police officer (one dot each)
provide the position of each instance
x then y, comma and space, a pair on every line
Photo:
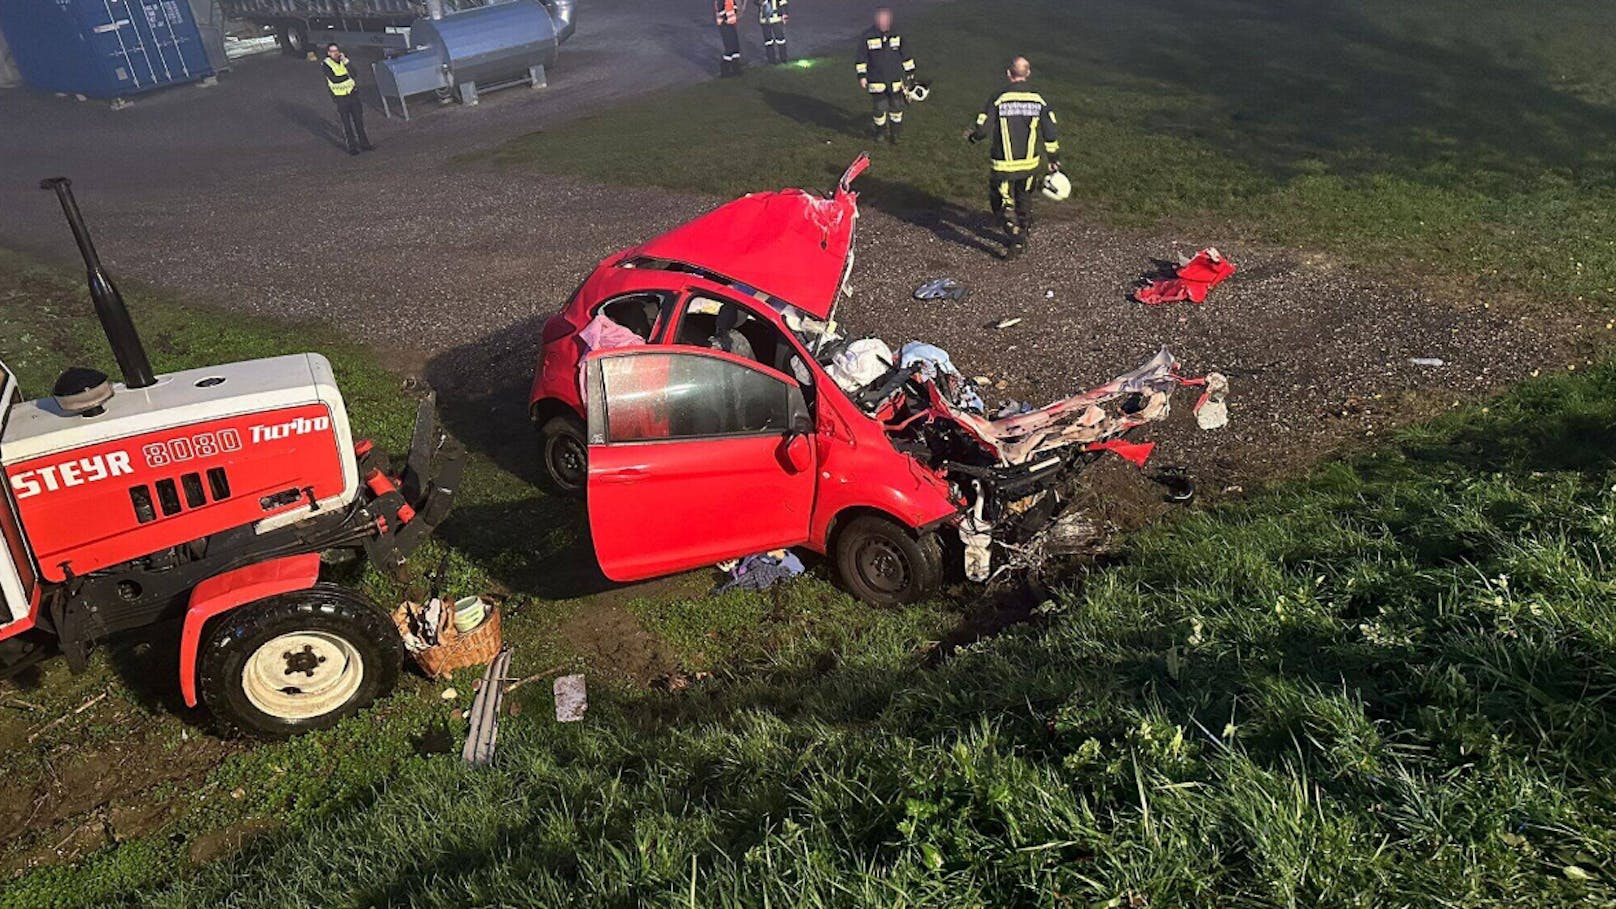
727, 14
1022, 127
352, 113
885, 67
773, 17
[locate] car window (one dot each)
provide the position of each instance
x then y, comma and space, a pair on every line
637, 312
656, 396
729, 326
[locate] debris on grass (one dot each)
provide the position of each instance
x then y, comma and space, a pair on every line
571, 698
484, 715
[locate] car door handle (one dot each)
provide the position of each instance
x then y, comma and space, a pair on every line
622, 475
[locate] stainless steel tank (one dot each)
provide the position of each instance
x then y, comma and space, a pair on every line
478, 50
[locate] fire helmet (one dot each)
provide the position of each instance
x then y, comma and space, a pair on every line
917, 92
1057, 187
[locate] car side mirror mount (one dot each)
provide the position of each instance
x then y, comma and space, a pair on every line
797, 452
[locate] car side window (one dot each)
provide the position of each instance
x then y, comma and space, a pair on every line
638, 312
728, 326
656, 396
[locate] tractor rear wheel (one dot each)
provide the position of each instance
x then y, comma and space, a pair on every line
885, 564
564, 456
298, 661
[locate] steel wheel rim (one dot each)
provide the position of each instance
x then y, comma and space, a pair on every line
302, 675
569, 460
883, 567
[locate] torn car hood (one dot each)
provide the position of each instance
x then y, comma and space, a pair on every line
789, 244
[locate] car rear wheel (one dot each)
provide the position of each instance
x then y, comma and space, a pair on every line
564, 456
885, 564
298, 661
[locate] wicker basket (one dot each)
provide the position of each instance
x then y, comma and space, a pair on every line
456, 650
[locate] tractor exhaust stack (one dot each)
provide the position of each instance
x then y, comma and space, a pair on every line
109, 305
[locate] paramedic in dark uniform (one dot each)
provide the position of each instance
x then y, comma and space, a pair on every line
727, 14
1022, 127
340, 81
885, 67
773, 17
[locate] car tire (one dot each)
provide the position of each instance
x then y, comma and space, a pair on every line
564, 456
885, 564
343, 650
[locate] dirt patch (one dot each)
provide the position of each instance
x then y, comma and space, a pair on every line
80, 798
609, 637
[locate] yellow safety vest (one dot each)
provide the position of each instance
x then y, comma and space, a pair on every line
344, 87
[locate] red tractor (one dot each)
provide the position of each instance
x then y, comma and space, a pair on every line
209, 496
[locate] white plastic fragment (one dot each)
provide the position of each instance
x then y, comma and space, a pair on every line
571, 698
1427, 361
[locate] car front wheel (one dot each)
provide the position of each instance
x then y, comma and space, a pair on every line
564, 456
885, 564
298, 661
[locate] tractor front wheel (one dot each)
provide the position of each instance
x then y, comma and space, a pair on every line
298, 661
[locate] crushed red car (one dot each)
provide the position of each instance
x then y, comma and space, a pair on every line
696, 388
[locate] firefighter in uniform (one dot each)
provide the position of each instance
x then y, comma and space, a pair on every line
773, 17
1022, 127
885, 68
727, 14
349, 110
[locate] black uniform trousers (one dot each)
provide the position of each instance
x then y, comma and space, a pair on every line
732, 43
352, 114
1010, 196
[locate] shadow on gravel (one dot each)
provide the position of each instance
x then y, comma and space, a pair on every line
313, 122
947, 221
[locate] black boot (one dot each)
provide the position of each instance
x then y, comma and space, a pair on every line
780, 50
768, 52
893, 132
877, 131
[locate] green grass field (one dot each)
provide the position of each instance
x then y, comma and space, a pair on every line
1384, 684
1468, 137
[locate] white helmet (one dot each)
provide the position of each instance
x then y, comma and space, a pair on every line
917, 92
1057, 187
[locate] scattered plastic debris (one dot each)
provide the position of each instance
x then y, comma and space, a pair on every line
1191, 280
449, 694
484, 714
941, 289
571, 698
1007, 323
1427, 361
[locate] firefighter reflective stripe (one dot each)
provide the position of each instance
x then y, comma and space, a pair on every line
1022, 128
771, 12
883, 58
340, 80
724, 12
877, 88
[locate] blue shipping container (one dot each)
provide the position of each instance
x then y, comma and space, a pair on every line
104, 48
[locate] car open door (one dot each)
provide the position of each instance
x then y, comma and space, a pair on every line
695, 456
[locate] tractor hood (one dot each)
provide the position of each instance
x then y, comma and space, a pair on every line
789, 244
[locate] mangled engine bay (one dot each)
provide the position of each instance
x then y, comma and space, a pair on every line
1015, 472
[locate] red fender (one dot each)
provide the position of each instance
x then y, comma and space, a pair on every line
222, 593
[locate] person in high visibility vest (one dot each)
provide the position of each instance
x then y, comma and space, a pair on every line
773, 17
885, 68
339, 79
1022, 126
727, 14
